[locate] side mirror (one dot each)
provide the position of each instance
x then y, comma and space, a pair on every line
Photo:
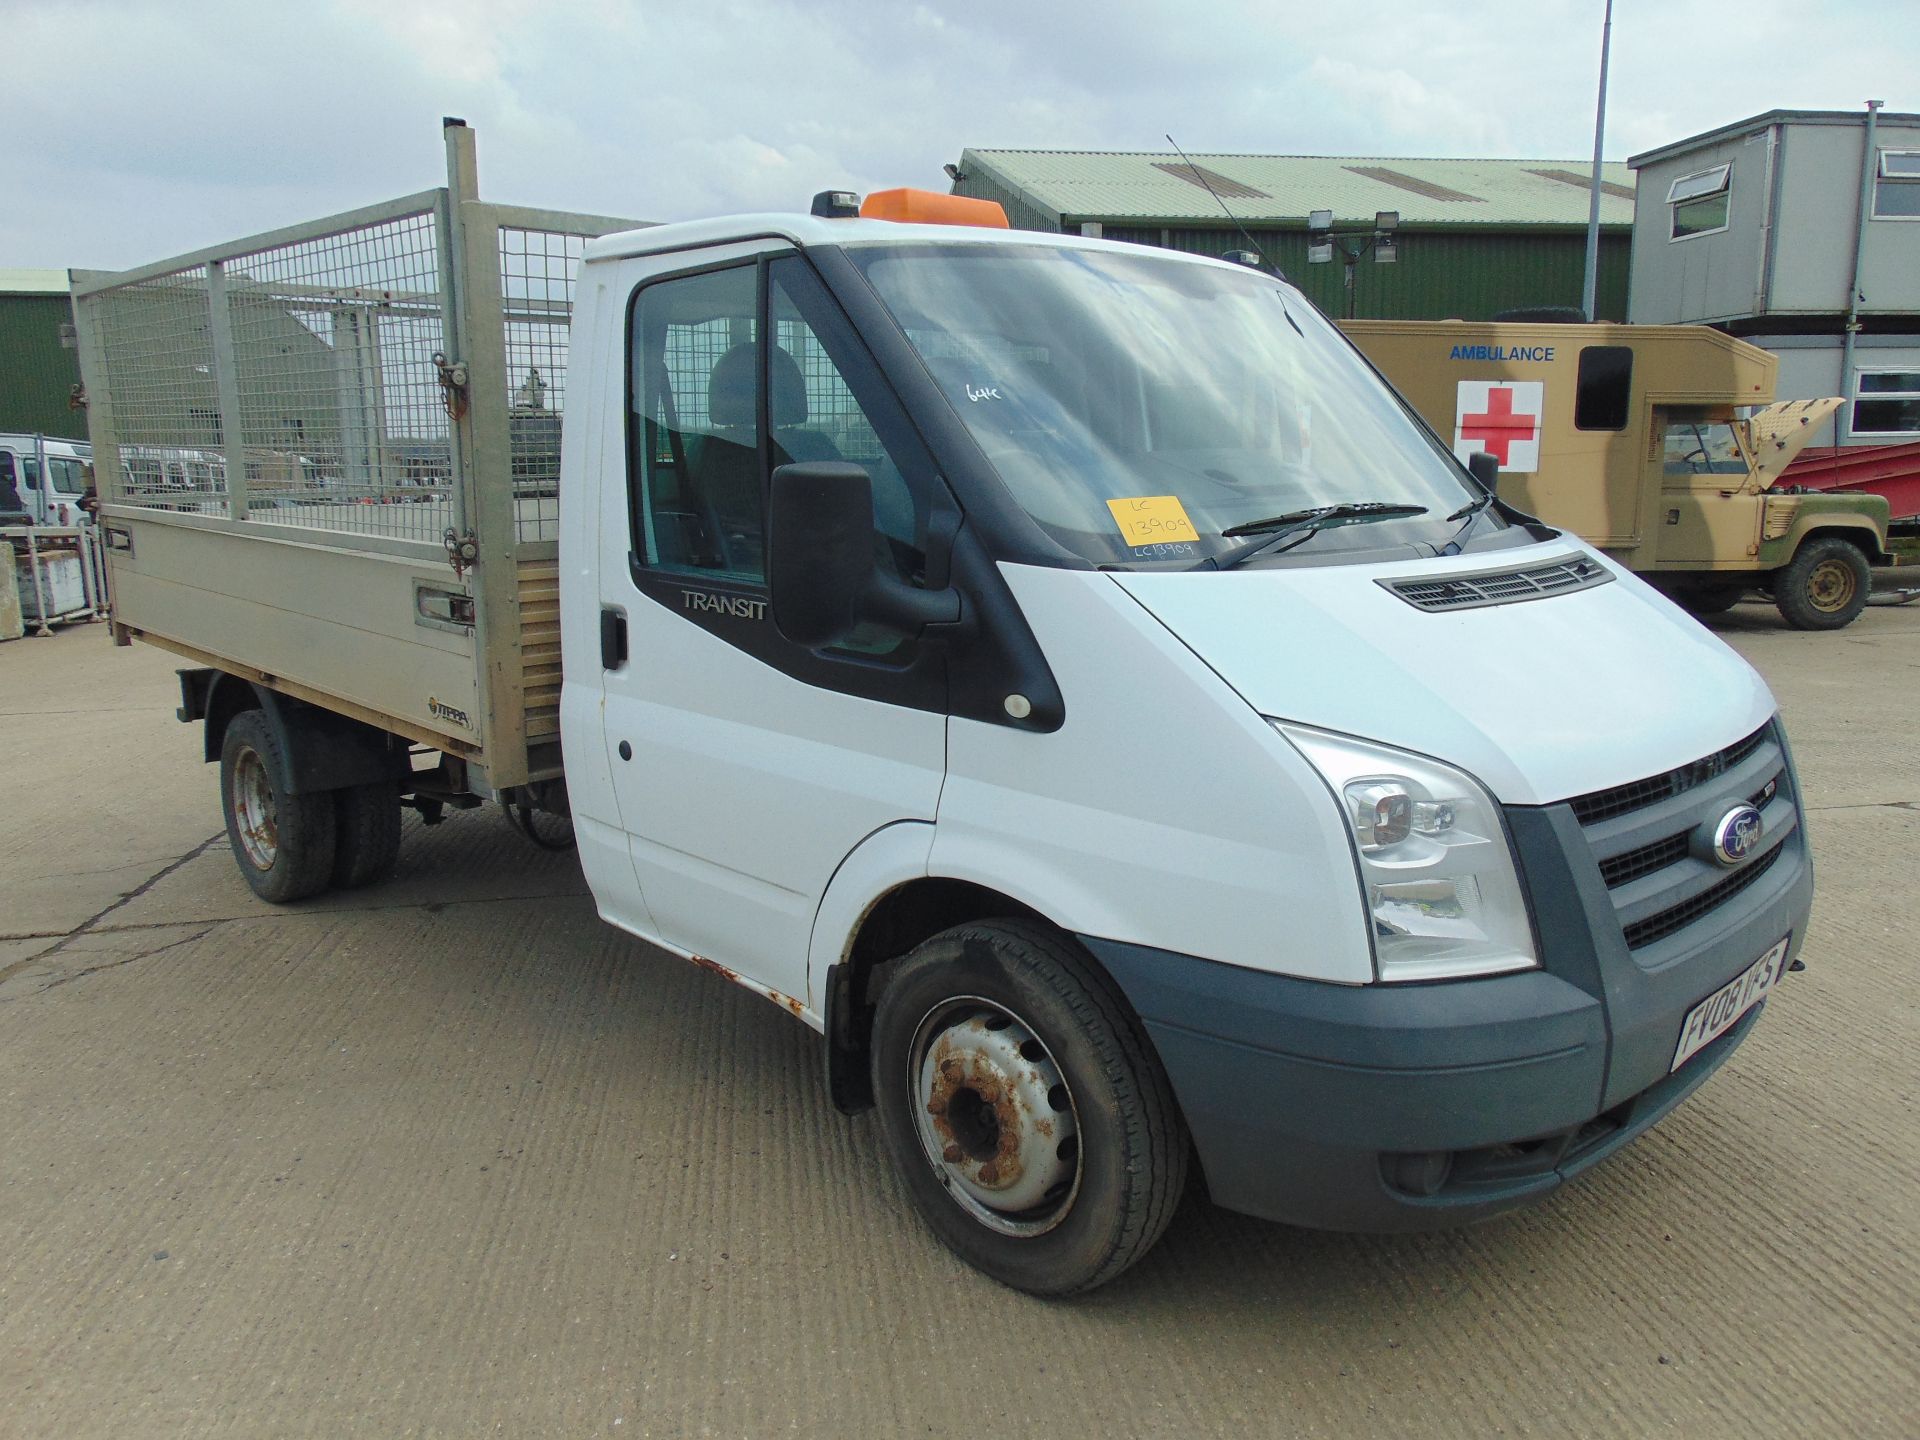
1484, 468
820, 566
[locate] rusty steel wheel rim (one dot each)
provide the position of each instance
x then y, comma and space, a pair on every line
255, 820
1831, 586
995, 1116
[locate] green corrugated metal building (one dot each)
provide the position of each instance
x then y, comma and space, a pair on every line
1475, 236
38, 365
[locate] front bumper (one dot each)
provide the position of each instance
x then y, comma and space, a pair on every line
1411, 1107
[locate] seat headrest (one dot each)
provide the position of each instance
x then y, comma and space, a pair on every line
730, 389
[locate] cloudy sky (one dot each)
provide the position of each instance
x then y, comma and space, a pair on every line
129, 131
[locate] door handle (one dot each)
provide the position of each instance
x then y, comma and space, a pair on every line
613, 638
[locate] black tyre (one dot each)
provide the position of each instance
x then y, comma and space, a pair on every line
283, 844
1715, 601
367, 825
1824, 586
1024, 1108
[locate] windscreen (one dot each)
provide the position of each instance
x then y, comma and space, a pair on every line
1139, 406
1698, 444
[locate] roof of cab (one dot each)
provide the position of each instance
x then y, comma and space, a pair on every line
810, 230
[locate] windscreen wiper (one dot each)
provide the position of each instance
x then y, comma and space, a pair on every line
1275, 528
1472, 507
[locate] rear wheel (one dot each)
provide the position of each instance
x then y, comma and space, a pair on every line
367, 822
1824, 586
1024, 1109
283, 843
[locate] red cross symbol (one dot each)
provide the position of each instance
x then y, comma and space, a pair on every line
1498, 428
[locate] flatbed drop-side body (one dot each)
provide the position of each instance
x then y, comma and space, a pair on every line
1634, 438
300, 496
920, 674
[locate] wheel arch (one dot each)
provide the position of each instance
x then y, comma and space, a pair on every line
897, 917
214, 697
332, 751
1858, 531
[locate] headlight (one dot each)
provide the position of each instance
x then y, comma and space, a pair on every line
1441, 887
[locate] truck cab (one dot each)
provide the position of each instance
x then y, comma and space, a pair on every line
1660, 444
1066, 677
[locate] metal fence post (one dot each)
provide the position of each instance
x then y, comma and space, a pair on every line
107, 482
493, 512
89, 589
226, 378
463, 184
39, 592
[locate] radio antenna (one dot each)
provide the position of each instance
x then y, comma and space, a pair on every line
1201, 176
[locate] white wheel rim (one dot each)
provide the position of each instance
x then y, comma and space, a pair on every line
995, 1116
255, 819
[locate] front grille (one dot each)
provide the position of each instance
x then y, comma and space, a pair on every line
1651, 838
1500, 587
1636, 794
1659, 926
1624, 869
1630, 865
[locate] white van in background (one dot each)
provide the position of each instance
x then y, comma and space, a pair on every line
49, 475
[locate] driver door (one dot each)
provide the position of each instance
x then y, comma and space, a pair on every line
748, 768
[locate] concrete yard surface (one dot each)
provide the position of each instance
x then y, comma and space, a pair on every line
451, 1157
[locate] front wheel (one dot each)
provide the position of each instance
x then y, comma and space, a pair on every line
1824, 586
1024, 1108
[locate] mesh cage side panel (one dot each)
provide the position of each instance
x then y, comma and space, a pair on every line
156, 346
538, 269
340, 401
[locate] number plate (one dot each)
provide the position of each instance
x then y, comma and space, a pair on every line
1714, 1016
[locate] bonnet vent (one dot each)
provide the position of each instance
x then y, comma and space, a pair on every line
1499, 587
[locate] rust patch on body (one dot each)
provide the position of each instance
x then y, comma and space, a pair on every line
794, 1007
716, 967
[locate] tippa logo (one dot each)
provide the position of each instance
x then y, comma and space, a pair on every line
448, 712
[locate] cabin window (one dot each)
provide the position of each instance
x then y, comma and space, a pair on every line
1886, 403
698, 487
1604, 388
1700, 202
1696, 441
1896, 189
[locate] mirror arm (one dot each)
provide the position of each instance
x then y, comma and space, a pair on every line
890, 601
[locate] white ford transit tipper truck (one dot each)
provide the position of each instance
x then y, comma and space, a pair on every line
1061, 673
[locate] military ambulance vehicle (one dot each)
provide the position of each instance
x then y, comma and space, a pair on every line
1659, 444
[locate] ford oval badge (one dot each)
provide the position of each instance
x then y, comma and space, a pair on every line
1738, 832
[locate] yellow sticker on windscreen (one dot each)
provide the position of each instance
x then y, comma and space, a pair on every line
1152, 519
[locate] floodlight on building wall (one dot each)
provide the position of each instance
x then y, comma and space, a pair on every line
1385, 223
1320, 237
1352, 245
